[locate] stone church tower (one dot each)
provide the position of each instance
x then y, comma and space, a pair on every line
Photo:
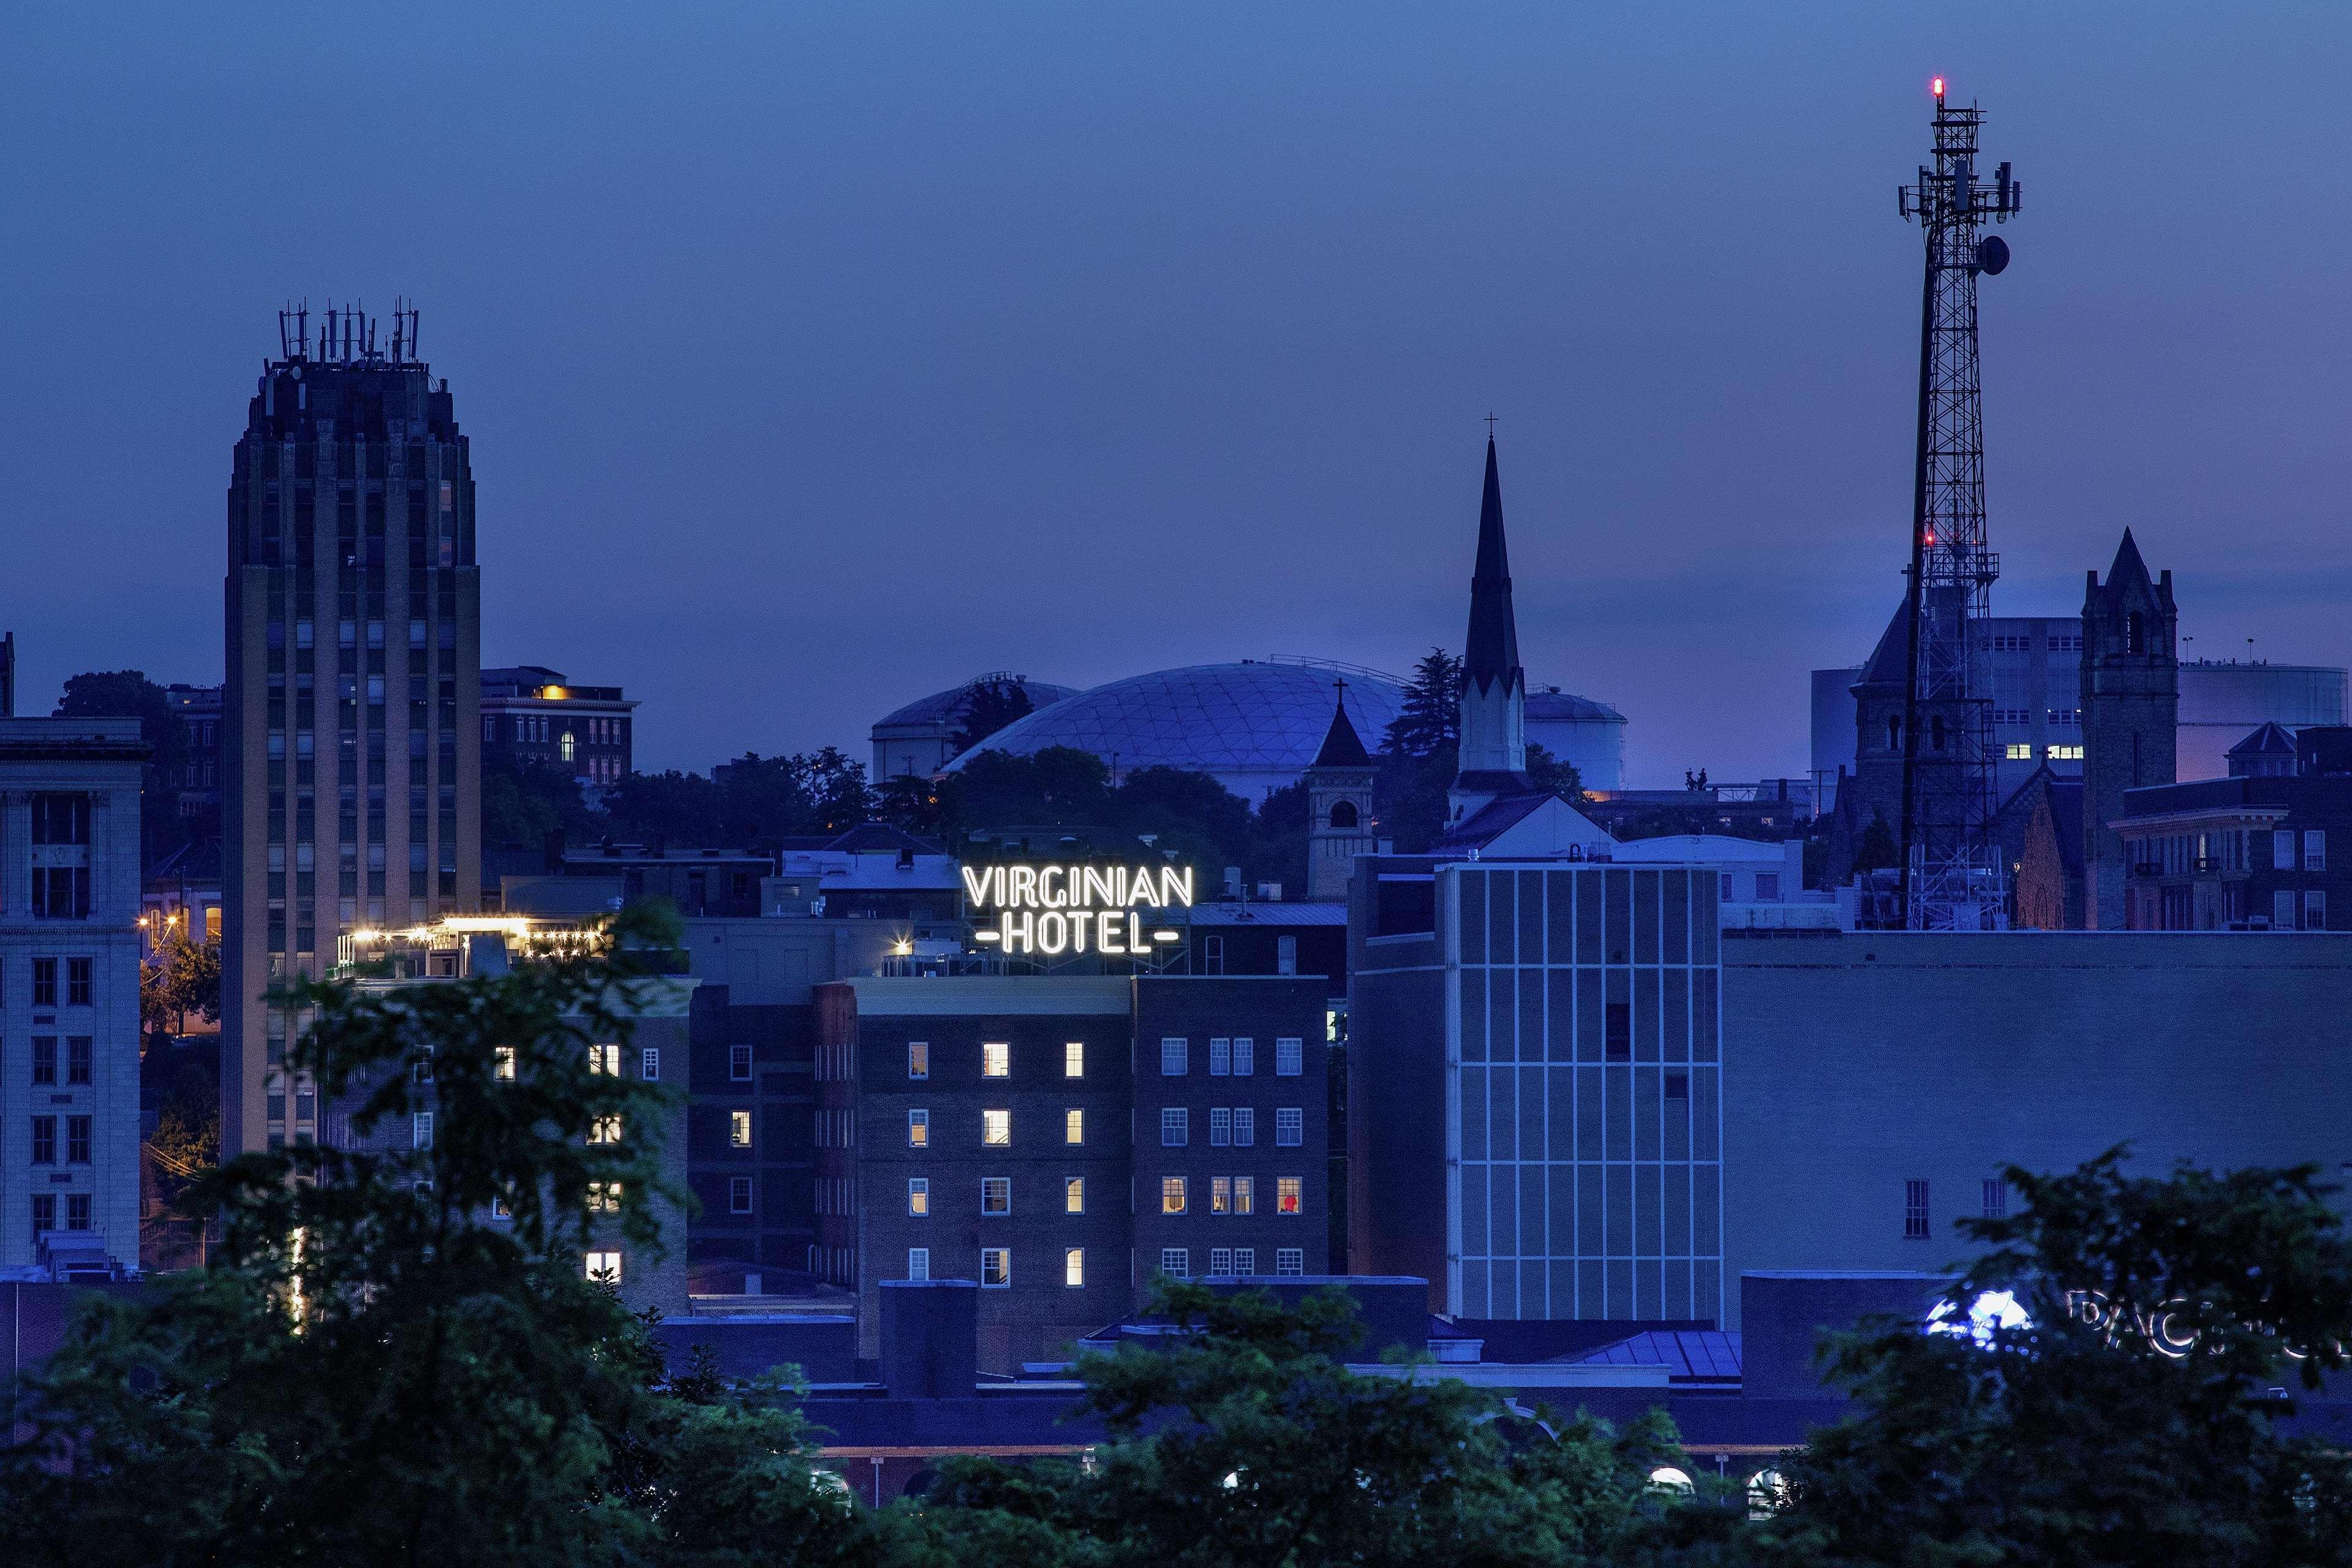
2131, 712
1879, 699
1339, 806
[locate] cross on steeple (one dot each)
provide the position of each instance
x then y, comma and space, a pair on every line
1490, 426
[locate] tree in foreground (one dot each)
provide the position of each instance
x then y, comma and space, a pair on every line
1249, 1441
395, 1356
2101, 1394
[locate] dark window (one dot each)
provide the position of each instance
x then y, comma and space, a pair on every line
738, 1063
1914, 1210
1343, 814
61, 819
45, 1213
77, 1211
45, 1059
61, 892
78, 982
78, 1058
1619, 1037
44, 983
77, 1140
45, 1139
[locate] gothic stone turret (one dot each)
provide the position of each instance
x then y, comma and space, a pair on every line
2131, 710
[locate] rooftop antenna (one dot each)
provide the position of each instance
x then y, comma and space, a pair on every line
1951, 876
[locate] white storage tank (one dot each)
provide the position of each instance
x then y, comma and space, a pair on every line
1588, 735
2223, 701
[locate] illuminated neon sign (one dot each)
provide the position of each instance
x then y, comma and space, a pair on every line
1055, 910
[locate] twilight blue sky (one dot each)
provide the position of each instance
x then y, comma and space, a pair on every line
819, 356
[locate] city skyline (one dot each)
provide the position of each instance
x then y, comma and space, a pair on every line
1218, 316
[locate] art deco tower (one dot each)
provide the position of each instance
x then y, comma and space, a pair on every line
352, 732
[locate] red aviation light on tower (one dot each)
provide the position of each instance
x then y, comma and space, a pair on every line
1937, 88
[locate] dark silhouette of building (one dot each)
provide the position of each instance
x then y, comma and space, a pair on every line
2131, 710
534, 716
351, 758
2248, 852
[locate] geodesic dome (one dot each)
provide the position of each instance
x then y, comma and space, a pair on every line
1255, 725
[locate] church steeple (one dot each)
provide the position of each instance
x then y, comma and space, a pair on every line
1492, 653
1494, 687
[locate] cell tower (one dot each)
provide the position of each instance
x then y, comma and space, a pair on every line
1952, 874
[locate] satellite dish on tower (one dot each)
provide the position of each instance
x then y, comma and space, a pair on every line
1992, 255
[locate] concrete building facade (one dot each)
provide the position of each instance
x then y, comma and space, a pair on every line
352, 735
1875, 1082
70, 953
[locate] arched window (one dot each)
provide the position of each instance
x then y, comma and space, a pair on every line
567, 746
2133, 632
1343, 814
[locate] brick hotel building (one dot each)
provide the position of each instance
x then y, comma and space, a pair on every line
1065, 1139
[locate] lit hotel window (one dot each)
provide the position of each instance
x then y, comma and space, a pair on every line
996, 1268
1074, 1126
919, 1195
1073, 1195
996, 1060
1074, 1268
1074, 1059
1172, 1194
919, 1128
1286, 1191
996, 1128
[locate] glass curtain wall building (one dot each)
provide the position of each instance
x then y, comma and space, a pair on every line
1583, 1107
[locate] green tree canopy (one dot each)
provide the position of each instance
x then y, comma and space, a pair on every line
1249, 1441
988, 706
2121, 1417
395, 1356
